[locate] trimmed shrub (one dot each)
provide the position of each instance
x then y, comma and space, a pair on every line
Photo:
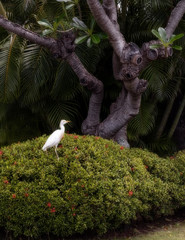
95, 185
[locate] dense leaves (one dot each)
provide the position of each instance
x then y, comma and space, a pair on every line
95, 185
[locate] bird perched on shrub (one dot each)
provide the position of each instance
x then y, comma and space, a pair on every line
54, 139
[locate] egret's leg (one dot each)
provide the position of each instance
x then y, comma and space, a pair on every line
56, 152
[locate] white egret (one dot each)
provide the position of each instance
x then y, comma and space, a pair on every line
54, 139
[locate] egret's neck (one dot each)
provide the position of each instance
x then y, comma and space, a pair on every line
62, 127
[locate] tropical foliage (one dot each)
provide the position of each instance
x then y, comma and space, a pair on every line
165, 78
32, 79
164, 41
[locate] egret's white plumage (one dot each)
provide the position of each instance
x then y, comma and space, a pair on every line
54, 139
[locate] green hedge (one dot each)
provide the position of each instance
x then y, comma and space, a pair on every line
95, 185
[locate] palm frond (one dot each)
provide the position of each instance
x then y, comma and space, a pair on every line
25, 5
89, 56
144, 122
37, 70
10, 58
157, 75
163, 146
156, 4
145, 15
66, 85
57, 110
23, 9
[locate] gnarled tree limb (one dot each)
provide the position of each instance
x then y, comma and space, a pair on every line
175, 17
110, 8
25, 33
116, 38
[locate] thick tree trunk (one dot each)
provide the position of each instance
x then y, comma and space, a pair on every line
87, 80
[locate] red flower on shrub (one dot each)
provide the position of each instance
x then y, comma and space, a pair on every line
60, 146
53, 210
6, 181
49, 204
121, 147
146, 167
130, 193
132, 169
106, 145
73, 207
1, 153
26, 194
74, 214
181, 173
83, 186
14, 195
75, 137
76, 148
97, 138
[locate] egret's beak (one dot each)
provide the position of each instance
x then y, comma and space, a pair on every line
68, 121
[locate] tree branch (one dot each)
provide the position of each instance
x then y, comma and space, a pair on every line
120, 117
24, 33
110, 8
175, 18
86, 79
116, 38
92, 83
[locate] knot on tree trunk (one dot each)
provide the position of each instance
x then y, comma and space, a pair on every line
153, 54
129, 72
89, 128
65, 45
127, 67
131, 54
136, 86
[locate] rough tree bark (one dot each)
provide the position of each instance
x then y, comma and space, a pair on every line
128, 61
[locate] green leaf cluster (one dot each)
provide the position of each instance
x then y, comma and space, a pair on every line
87, 34
95, 185
164, 41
